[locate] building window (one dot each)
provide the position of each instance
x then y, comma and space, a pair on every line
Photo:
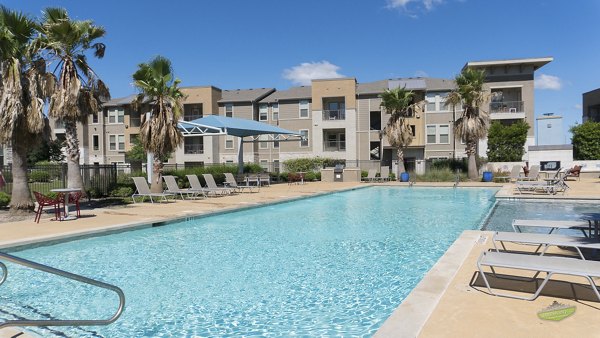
228, 142
436, 101
96, 142
413, 130
375, 120
263, 112
261, 143
264, 164
116, 115
438, 134
95, 118
275, 144
304, 142
303, 109
275, 108
229, 109
276, 166
116, 142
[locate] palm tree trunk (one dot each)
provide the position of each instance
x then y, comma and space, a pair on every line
400, 167
157, 169
21, 195
74, 179
472, 168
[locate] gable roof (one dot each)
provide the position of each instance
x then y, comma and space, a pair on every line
245, 95
302, 92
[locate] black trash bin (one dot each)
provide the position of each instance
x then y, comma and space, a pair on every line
338, 173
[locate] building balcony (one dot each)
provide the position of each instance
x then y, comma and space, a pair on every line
334, 146
193, 149
330, 115
507, 110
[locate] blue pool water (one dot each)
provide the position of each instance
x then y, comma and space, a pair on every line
337, 264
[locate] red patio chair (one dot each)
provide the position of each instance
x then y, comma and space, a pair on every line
74, 198
46, 201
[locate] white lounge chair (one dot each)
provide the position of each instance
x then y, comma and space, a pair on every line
548, 186
212, 185
143, 190
371, 176
534, 173
196, 185
553, 225
545, 241
173, 188
385, 173
549, 265
515, 174
230, 180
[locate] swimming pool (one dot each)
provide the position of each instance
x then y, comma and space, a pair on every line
337, 264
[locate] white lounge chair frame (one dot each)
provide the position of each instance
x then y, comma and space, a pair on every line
371, 176
230, 179
143, 190
534, 173
553, 225
549, 265
385, 173
173, 188
544, 241
515, 174
211, 185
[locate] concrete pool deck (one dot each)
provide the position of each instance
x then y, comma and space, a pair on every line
445, 304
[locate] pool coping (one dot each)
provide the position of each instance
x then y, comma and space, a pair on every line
409, 318
32, 242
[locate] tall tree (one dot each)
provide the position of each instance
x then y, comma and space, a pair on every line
586, 141
399, 104
79, 90
506, 143
24, 87
159, 133
472, 125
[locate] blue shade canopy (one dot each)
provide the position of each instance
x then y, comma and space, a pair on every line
231, 126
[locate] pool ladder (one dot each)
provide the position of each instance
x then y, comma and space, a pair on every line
72, 276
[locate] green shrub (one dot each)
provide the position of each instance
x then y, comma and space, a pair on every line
94, 193
451, 164
122, 192
310, 176
4, 199
310, 164
252, 168
440, 175
392, 177
39, 176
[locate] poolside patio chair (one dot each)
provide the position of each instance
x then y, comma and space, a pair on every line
371, 176
550, 265
533, 175
574, 172
385, 173
143, 191
173, 188
74, 198
548, 186
553, 225
514, 174
264, 179
46, 201
230, 180
544, 241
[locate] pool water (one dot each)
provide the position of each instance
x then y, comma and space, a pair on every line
337, 264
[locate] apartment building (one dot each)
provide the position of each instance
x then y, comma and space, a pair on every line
340, 118
591, 106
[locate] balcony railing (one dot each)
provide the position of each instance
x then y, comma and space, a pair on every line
190, 117
334, 114
334, 146
507, 107
193, 148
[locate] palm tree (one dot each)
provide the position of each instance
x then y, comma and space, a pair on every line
472, 125
24, 88
79, 91
399, 103
159, 133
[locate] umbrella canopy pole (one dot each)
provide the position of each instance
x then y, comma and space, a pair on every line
241, 156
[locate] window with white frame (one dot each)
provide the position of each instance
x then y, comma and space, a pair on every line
436, 101
229, 109
261, 143
304, 142
275, 144
264, 164
96, 142
275, 110
116, 115
438, 134
228, 142
304, 107
95, 118
116, 142
263, 112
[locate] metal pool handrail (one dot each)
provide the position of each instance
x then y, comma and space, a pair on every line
59, 322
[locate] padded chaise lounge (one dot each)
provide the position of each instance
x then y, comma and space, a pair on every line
553, 225
545, 241
549, 265
173, 188
143, 190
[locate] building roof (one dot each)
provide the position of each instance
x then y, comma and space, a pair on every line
439, 84
418, 83
245, 95
536, 62
120, 101
372, 87
294, 93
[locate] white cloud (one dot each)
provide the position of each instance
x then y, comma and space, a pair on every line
550, 82
403, 4
307, 71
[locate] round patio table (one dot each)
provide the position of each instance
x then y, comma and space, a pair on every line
67, 192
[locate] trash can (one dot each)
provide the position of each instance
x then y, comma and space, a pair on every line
488, 176
338, 173
404, 177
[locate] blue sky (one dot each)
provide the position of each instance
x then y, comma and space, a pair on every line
273, 43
